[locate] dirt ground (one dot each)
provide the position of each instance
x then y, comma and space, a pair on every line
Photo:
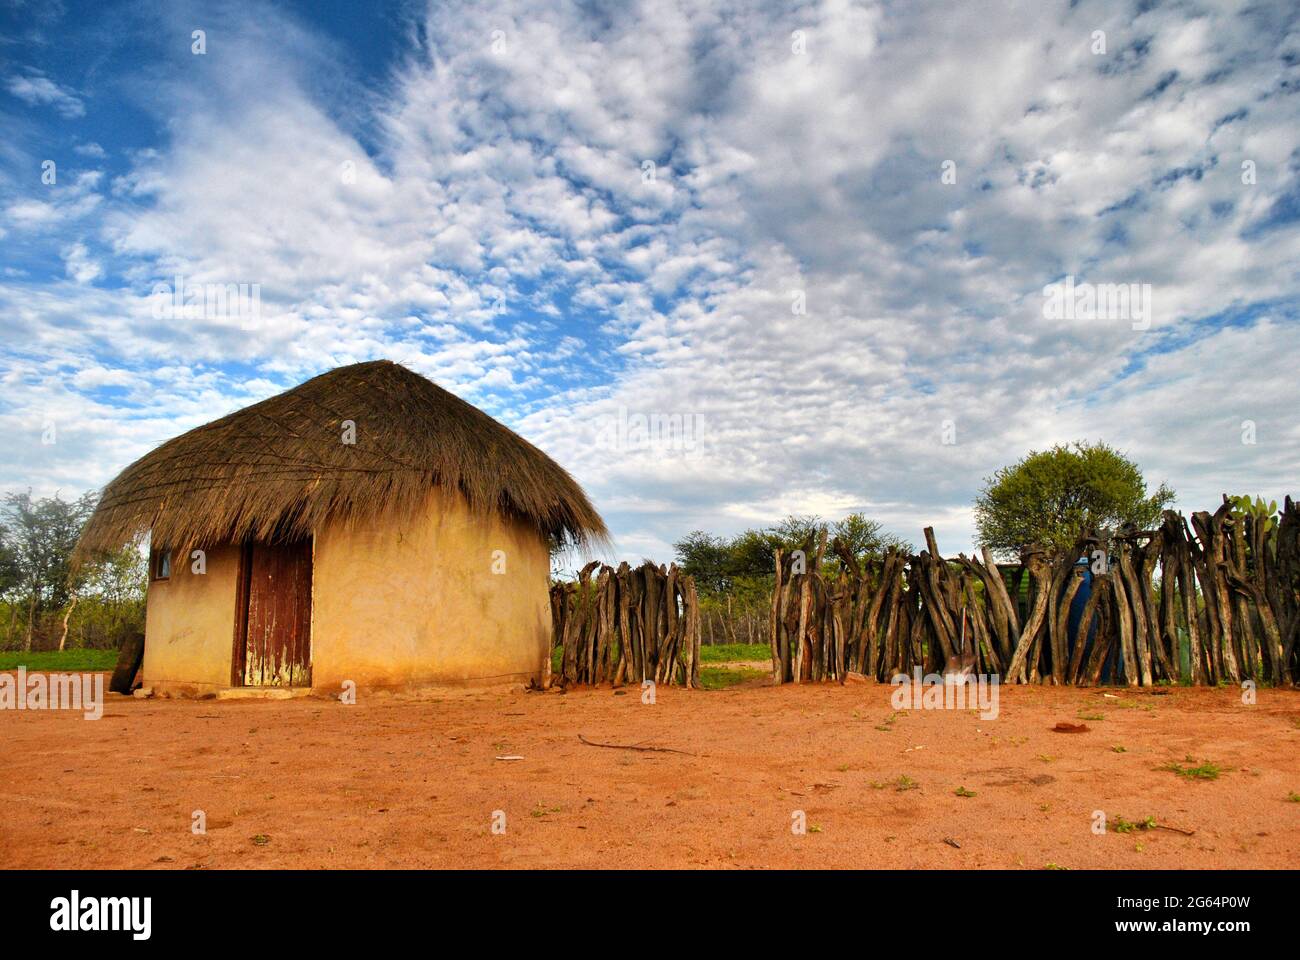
394, 782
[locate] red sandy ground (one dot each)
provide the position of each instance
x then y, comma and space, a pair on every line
394, 782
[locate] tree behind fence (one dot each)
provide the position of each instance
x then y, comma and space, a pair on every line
1213, 601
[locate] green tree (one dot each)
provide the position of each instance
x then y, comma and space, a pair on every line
719, 564
795, 531
751, 553
42, 534
10, 575
706, 558
114, 590
866, 539
1051, 496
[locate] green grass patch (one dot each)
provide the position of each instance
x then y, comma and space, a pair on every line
963, 792
719, 678
67, 661
729, 652
717, 653
1207, 770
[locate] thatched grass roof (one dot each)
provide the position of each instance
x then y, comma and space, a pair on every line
280, 467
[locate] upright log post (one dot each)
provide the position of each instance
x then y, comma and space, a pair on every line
773, 637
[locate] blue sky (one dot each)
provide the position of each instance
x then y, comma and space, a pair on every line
816, 236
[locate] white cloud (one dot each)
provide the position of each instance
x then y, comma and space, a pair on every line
79, 264
37, 90
497, 232
56, 203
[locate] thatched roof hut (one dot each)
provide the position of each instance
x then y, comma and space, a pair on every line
365, 525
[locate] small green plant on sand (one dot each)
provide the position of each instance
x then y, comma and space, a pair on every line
905, 783
1124, 826
963, 792
1207, 770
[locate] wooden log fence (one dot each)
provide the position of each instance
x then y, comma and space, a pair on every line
1216, 600
627, 625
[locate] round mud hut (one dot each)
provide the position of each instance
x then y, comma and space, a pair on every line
365, 526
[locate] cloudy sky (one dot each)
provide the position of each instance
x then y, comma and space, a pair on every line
817, 236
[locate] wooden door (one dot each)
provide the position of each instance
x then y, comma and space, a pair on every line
276, 648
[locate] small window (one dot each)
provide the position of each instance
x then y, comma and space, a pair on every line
160, 565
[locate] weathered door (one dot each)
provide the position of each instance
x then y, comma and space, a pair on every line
277, 636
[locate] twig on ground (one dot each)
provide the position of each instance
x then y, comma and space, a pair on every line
622, 746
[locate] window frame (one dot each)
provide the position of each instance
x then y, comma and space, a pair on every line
158, 560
